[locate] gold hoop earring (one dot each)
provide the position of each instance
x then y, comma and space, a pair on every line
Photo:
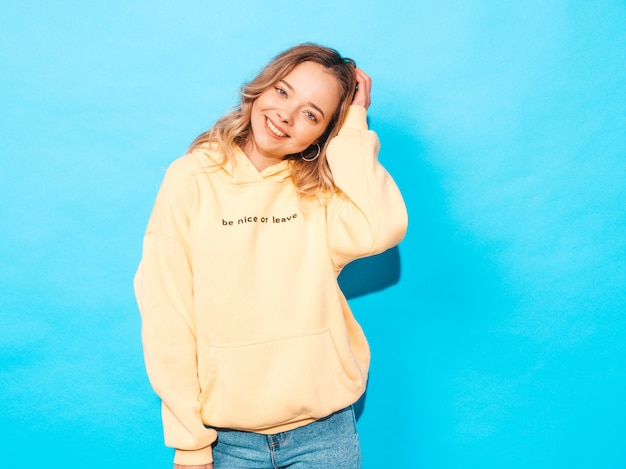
319, 149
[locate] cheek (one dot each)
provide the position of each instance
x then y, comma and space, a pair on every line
312, 135
322, 130
266, 98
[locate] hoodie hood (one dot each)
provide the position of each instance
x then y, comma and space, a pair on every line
239, 171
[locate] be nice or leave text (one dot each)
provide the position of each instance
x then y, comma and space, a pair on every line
257, 219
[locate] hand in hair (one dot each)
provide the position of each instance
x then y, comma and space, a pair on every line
363, 90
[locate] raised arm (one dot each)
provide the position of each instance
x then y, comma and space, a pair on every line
367, 215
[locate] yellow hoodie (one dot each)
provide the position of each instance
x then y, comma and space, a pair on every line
243, 323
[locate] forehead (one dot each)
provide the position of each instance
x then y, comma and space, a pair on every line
313, 82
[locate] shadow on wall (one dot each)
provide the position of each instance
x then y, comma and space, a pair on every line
370, 274
455, 282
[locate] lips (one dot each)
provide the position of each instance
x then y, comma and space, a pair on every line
274, 130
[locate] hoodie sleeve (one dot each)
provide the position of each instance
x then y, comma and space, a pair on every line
164, 291
367, 215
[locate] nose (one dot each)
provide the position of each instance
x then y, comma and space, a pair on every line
286, 114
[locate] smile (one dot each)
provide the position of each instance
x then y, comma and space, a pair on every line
275, 130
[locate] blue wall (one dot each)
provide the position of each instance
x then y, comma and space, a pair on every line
500, 344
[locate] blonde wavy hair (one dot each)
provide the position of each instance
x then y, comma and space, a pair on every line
311, 178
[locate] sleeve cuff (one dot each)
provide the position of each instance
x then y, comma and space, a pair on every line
194, 458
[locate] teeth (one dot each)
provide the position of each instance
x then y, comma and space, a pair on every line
275, 130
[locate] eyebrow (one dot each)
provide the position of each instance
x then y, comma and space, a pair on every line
313, 105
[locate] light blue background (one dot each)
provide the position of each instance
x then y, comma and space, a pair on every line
504, 123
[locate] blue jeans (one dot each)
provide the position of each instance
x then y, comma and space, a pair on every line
329, 443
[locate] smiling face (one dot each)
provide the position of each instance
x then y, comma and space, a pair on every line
290, 116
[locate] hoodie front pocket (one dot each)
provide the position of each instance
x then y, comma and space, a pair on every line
261, 385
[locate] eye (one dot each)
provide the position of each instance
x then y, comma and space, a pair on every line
281, 92
310, 115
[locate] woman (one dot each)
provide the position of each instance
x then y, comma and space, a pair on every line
248, 340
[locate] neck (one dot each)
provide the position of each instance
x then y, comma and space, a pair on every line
259, 161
